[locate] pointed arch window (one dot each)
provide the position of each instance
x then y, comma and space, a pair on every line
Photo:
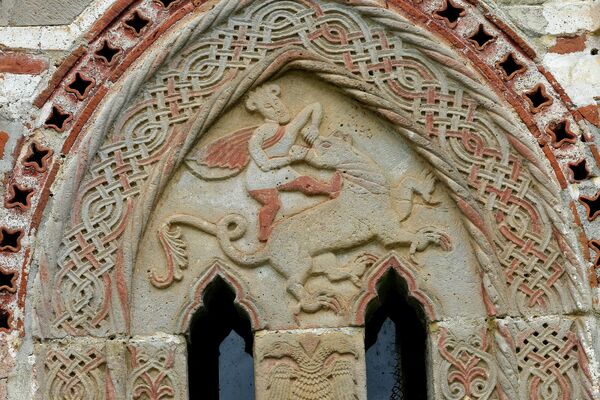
395, 344
220, 364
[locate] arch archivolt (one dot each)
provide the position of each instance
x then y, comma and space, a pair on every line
488, 219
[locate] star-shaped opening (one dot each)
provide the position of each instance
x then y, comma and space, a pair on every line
538, 98
80, 86
107, 52
58, 119
510, 66
481, 38
8, 281
137, 23
450, 12
5, 320
19, 197
10, 240
37, 157
592, 205
579, 170
561, 133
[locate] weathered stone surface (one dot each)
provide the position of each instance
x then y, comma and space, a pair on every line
299, 152
81, 368
313, 364
157, 368
36, 12
463, 363
149, 367
313, 268
553, 356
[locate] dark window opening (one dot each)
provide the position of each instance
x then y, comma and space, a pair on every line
395, 343
220, 362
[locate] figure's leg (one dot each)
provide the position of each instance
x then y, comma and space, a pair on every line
269, 199
310, 186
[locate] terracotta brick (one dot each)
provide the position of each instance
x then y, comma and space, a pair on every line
3, 140
59, 75
565, 45
591, 113
19, 63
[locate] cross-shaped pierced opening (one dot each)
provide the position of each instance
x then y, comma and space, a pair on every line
107, 52
20, 197
58, 119
137, 22
451, 13
538, 98
37, 157
579, 170
481, 38
80, 86
167, 3
561, 133
7, 281
5, 318
10, 240
510, 66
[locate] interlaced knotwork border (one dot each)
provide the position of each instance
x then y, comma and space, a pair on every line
387, 64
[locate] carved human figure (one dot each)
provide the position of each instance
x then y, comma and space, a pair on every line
368, 207
272, 148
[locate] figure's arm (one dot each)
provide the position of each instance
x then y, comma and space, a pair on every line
262, 159
313, 113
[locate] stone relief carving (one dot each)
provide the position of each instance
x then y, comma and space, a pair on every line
139, 368
88, 370
454, 121
150, 377
468, 368
516, 359
75, 375
304, 244
547, 356
309, 366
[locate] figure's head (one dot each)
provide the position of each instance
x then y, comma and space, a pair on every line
265, 99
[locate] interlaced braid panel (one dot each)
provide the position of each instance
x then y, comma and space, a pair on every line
385, 63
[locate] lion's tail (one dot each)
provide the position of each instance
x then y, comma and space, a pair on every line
232, 227
175, 247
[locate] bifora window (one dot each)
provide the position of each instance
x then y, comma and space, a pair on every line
220, 364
